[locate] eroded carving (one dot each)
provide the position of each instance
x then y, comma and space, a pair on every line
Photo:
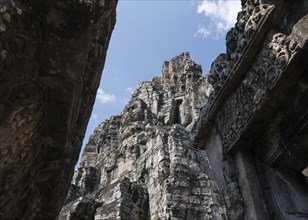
278, 50
237, 40
150, 144
48, 79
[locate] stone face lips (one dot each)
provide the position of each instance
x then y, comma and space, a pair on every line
51, 58
148, 148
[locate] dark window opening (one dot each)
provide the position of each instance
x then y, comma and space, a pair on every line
177, 113
182, 88
175, 78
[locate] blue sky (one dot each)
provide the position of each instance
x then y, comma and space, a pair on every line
149, 32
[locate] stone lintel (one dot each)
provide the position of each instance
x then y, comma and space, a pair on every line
242, 66
272, 99
202, 130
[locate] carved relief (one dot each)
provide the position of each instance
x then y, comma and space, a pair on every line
237, 40
232, 194
39, 145
220, 70
17, 135
275, 56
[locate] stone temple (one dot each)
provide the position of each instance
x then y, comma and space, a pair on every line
141, 163
229, 145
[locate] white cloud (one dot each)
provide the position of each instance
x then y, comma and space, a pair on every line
203, 32
129, 89
222, 14
104, 97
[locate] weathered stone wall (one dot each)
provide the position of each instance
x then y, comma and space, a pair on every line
150, 144
51, 58
182, 149
238, 151
121, 198
254, 128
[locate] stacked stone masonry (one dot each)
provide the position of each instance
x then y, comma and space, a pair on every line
232, 145
149, 146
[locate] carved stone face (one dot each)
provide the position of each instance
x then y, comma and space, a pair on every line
219, 70
134, 111
135, 117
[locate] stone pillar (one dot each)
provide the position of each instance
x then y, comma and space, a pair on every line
250, 186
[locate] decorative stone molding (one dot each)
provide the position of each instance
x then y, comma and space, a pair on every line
238, 40
277, 53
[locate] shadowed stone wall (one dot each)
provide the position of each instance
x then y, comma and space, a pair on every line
254, 127
51, 58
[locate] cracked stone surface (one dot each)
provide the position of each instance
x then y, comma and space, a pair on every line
148, 145
232, 145
51, 57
